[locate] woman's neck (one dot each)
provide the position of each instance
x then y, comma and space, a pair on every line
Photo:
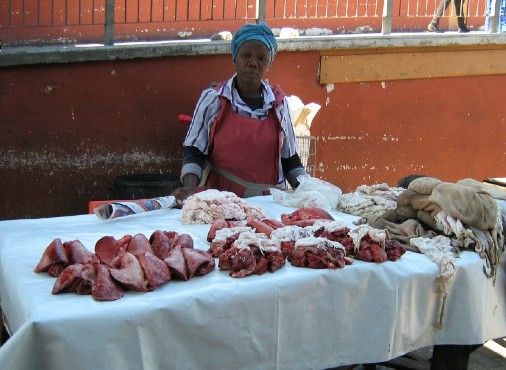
250, 91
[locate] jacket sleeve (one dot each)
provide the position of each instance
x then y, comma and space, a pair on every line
293, 168
196, 142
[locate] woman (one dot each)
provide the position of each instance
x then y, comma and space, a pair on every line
241, 138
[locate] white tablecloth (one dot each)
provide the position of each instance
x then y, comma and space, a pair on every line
295, 318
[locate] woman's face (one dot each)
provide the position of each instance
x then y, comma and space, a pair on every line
252, 62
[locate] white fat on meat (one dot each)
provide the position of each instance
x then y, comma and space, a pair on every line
209, 205
379, 236
222, 234
248, 238
323, 243
292, 233
330, 226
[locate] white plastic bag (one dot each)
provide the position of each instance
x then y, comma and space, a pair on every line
311, 192
300, 199
302, 115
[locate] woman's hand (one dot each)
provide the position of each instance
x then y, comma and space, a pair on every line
181, 194
190, 182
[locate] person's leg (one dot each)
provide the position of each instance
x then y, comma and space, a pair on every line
434, 24
461, 19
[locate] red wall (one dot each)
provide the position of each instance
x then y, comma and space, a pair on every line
372, 132
66, 131
32, 22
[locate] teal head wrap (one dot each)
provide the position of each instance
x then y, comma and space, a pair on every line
259, 32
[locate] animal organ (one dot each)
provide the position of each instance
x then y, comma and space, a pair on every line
129, 263
305, 216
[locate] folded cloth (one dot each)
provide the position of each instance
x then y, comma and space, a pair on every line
371, 200
494, 191
402, 232
424, 185
121, 209
466, 211
472, 205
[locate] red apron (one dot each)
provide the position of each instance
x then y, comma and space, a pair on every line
244, 151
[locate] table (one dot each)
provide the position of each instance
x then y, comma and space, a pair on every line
295, 318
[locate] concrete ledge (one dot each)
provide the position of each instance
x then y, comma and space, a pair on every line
85, 53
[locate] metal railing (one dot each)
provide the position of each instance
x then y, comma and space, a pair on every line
29, 22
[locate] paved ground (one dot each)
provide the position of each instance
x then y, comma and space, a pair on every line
490, 356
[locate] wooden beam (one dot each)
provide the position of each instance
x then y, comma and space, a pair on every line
410, 65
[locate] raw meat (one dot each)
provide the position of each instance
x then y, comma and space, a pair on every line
317, 253
259, 226
176, 263
371, 252
209, 205
75, 278
88, 276
104, 288
139, 244
336, 232
221, 224
251, 253
275, 260
305, 216
55, 270
197, 262
243, 262
275, 224
68, 279
185, 263
163, 242
54, 254
225, 238
371, 245
107, 249
129, 263
218, 224
185, 241
155, 270
394, 250
129, 273
77, 253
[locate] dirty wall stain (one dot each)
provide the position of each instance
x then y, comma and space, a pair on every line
10, 159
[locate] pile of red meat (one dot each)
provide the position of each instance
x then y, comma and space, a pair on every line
318, 253
245, 252
130, 263
307, 237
